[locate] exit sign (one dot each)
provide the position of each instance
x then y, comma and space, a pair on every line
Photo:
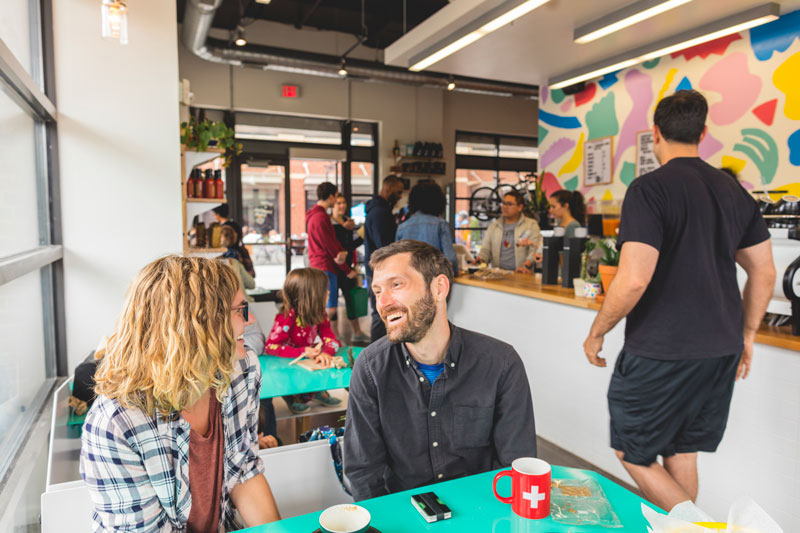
291, 91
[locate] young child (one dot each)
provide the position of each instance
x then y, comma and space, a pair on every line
300, 326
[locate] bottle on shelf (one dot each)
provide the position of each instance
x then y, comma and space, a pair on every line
190, 185
396, 149
219, 185
198, 183
209, 189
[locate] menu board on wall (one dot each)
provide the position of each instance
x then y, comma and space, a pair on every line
598, 162
645, 158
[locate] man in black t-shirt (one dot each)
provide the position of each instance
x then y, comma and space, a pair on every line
689, 334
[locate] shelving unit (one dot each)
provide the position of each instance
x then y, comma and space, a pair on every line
192, 207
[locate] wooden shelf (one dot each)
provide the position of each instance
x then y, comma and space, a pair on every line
207, 200
418, 158
418, 174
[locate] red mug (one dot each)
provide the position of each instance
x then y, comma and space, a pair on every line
530, 487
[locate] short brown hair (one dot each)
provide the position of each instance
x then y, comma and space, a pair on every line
304, 291
391, 179
426, 259
227, 236
516, 195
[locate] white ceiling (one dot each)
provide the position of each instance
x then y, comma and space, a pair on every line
539, 45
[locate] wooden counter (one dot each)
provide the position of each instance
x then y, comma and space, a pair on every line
527, 285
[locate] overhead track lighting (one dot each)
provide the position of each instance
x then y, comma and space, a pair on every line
115, 20
622, 18
343, 68
240, 39
451, 83
482, 26
733, 24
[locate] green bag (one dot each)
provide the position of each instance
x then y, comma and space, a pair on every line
357, 305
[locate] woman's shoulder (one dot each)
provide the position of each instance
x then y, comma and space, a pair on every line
109, 415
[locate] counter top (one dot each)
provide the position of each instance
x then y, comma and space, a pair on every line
530, 286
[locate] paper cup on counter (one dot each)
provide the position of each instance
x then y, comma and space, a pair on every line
578, 284
591, 290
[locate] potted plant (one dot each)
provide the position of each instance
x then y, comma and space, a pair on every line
198, 135
609, 263
538, 205
590, 274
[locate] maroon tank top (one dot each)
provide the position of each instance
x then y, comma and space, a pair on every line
205, 472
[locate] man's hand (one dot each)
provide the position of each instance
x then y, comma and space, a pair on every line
340, 257
746, 361
266, 441
523, 269
350, 224
591, 347
352, 274
526, 242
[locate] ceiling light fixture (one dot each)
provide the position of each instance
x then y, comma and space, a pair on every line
343, 68
484, 25
451, 83
115, 20
622, 18
240, 39
735, 23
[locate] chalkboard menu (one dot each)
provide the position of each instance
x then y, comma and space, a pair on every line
645, 158
598, 162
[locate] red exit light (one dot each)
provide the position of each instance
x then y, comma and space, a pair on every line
290, 91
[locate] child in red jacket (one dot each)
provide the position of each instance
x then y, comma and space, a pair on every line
302, 327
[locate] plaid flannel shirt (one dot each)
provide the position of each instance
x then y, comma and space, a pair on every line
137, 466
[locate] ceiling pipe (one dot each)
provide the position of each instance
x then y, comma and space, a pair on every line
199, 15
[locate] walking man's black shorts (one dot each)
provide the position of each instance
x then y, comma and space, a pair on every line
662, 407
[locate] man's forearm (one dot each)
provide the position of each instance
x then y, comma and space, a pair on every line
755, 298
622, 297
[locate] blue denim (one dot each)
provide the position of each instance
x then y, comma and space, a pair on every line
430, 229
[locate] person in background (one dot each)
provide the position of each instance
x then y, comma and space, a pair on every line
221, 213
302, 328
569, 210
689, 332
233, 255
427, 203
177, 398
379, 231
430, 401
503, 246
325, 252
343, 226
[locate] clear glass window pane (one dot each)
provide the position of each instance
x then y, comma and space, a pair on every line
15, 31
517, 148
19, 226
22, 354
361, 178
468, 227
362, 134
471, 144
263, 222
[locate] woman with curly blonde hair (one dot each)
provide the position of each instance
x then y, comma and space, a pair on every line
171, 441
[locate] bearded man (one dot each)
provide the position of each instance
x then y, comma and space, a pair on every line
430, 401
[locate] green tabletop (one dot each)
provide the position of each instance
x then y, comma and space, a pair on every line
475, 509
280, 379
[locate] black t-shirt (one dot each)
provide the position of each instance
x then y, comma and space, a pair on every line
697, 217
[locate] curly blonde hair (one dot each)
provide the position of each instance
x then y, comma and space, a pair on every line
174, 338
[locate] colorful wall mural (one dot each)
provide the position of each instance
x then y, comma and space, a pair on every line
751, 81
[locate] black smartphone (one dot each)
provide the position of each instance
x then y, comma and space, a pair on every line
431, 507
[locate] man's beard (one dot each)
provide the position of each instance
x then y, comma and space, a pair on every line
417, 323
393, 199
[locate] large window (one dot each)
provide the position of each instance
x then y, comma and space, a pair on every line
31, 311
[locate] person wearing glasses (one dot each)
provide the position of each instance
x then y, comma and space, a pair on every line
511, 241
171, 441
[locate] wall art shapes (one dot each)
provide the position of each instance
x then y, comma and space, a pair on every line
766, 111
557, 95
794, 148
733, 163
550, 184
709, 146
787, 80
566, 106
542, 134
684, 85
559, 121
607, 196
653, 63
667, 82
640, 90
602, 119
574, 162
717, 46
571, 184
544, 92
739, 88
586, 95
628, 173
777, 36
556, 150
608, 80
762, 150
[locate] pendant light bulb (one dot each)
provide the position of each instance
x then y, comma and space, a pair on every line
240, 39
343, 69
451, 83
115, 20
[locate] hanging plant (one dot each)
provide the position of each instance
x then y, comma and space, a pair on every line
199, 135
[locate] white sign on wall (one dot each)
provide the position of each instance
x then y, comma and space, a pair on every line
598, 162
645, 158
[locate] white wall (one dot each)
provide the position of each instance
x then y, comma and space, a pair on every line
119, 153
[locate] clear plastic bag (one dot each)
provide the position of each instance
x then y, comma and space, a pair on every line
581, 502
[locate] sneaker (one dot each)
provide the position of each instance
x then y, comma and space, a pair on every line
361, 338
326, 399
298, 407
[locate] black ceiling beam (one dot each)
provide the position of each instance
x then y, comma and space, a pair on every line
308, 14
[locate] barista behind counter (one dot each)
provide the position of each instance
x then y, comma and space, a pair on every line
501, 246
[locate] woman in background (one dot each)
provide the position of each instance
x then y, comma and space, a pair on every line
171, 441
569, 210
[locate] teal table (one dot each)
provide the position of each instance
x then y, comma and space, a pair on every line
280, 379
475, 509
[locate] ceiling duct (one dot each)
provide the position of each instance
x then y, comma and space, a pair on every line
197, 21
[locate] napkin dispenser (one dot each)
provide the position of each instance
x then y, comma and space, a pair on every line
571, 260
551, 246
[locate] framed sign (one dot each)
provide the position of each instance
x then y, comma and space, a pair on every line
645, 158
598, 161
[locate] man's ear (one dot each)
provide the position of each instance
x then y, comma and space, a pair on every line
703, 134
440, 288
656, 134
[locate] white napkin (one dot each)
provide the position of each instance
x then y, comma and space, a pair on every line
744, 516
